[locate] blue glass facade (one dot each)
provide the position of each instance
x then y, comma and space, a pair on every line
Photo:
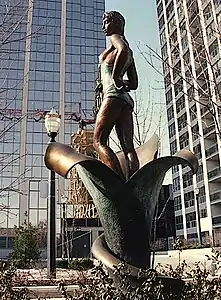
53, 66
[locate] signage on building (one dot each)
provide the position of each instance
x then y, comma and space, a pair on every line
85, 211
10, 232
81, 141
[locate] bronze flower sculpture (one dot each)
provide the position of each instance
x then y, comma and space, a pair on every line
125, 209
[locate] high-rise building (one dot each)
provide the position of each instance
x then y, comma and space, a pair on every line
190, 37
49, 54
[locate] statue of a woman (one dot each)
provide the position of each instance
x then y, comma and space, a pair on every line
116, 108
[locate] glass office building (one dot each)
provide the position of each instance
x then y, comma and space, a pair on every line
49, 60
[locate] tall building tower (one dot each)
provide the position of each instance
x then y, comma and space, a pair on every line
190, 36
49, 54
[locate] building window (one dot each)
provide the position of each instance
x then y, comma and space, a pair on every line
169, 9
189, 199
216, 220
175, 169
187, 179
164, 52
173, 147
167, 81
202, 194
184, 42
176, 184
184, 140
191, 220
199, 175
180, 10
203, 213
191, 236
2, 242
213, 49
170, 113
177, 72
179, 222
159, 9
207, 12
166, 67
174, 41
182, 122
162, 38
172, 130
177, 203
169, 96
180, 104
183, 28
193, 113
161, 22
195, 132
217, 69
171, 24
197, 151
178, 87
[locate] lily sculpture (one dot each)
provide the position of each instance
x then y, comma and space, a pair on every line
125, 208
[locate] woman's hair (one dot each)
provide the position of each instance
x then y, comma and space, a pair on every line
115, 17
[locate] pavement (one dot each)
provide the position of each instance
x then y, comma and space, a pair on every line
191, 256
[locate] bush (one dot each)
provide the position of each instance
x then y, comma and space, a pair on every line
25, 248
7, 274
63, 264
81, 264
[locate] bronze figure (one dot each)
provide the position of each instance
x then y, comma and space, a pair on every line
117, 105
125, 209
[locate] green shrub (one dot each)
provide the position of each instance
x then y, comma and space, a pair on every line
81, 264
25, 248
63, 264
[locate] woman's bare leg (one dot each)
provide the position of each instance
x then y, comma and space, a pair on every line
125, 133
109, 112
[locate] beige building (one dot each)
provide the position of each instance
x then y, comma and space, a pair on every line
191, 55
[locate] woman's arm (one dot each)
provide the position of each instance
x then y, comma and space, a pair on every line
132, 81
121, 59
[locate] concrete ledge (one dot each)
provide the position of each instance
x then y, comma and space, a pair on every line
46, 291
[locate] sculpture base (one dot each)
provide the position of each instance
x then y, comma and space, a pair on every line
133, 277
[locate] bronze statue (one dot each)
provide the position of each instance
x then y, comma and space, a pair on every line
117, 105
126, 209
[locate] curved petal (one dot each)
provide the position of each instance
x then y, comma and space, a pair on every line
62, 158
121, 214
147, 181
125, 209
145, 153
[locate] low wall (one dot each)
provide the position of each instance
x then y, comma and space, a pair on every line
195, 252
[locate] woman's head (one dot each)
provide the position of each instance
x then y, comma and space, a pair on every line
113, 22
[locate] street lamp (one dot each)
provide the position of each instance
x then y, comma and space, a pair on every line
198, 216
52, 124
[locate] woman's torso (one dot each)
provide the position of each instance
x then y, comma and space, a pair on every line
106, 62
109, 56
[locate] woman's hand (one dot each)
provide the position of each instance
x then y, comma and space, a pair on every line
121, 85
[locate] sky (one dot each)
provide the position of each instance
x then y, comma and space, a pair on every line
141, 29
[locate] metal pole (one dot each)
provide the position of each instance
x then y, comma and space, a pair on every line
51, 235
198, 219
63, 240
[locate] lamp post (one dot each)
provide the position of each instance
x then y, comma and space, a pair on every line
198, 216
52, 124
